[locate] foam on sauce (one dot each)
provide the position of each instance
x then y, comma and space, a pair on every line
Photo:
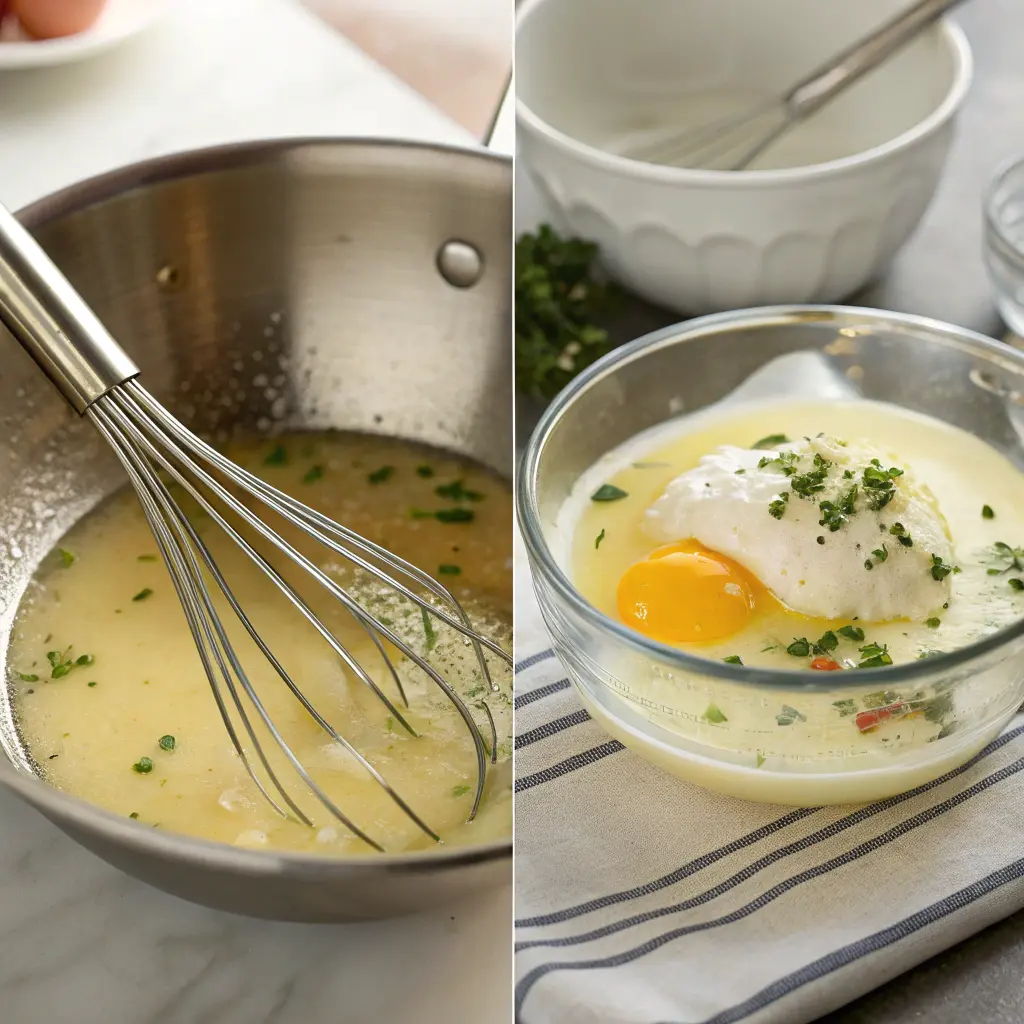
110, 598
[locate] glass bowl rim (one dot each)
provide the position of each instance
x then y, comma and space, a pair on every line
992, 218
542, 560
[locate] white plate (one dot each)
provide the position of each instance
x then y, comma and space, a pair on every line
120, 20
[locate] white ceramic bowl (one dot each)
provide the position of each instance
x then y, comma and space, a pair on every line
590, 71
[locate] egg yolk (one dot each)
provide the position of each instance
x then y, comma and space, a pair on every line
683, 593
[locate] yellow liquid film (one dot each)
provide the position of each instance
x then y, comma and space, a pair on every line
140, 697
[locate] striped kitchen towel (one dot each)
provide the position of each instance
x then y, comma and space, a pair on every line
641, 899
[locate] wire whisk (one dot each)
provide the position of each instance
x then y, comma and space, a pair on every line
734, 142
96, 377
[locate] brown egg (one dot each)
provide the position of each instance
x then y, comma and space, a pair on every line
50, 19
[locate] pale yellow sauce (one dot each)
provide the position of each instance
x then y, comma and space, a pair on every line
149, 682
716, 732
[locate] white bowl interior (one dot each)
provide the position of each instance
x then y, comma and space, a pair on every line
603, 71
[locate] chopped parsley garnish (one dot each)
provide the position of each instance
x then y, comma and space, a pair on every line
788, 715
845, 707
425, 471
835, 514
61, 662
146, 558
609, 492
460, 790
987, 513
143, 594
827, 643
933, 622
90, 684
167, 742
810, 483
313, 474
880, 699
854, 633
28, 677
1016, 583
66, 557
428, 629
714, 715
455, 491
771, 441
940, 570
378, 476
785, 462
878, 484
881, 554
134, 815
598, 539
733, 659
799, 648
899, 531
277, 457
445, 515
777, 508
143, 766
449, 570
1012, 557
874, 656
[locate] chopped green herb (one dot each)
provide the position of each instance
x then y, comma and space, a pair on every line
799, 648
1015, 583
428, 629
874, 656
425, 471
880, 698
454, 515
834, 514
134, 815
788, 715
760, 758
771, 441
933, 622
558, 304
881, 554
389, 724
66, 557
313, 474
276, 457
167, 742
455, 491
460, 790
143, 766
85, 659
987, 513
597, 541
739, 472
449, 570
777, 508
714, 715
845, 707
806, 485
940, 570
28, 677
936, 709
378, 476
827, 643
854, 633
609, 492
143, 594
733, 659
90, 684
785, 462
146, 558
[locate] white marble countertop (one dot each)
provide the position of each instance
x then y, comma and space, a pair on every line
81, 943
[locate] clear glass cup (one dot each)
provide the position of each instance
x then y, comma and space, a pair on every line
649, 694
1004, 242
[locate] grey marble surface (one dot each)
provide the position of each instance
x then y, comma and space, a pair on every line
940, 274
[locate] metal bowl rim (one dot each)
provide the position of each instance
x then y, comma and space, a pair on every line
541, 559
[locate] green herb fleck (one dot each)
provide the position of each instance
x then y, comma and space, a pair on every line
85, 659
733, 659
881, 554
987, 513
874, 656
134, 815
760, 758
609, 492
146, 558
777, 508
799, 648
167, 742
455, 491
143, 766
835, 514
389, 724
771, 441
854, 633
933, 622
276, 457
845, 707
460, 790
378, 476
66, 557
90, 684
425, 471
313, 474
788, 715
827, 643
143, 594
28, 677
1016, 583
714, 715
449, 570
454, 515
940, 570
428, 629
597, 541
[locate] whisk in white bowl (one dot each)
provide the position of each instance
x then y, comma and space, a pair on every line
55, 325
732, 143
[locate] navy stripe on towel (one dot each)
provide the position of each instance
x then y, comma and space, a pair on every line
542, 732
570, 764
540, 693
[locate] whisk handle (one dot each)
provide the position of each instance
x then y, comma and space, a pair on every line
52, 322
857, 60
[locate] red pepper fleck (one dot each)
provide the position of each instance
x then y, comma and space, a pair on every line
825, 664
868, 720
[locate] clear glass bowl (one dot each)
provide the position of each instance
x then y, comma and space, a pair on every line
645, 693
1004, 242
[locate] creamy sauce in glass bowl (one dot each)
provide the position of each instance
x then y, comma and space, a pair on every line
114, 706
827, 743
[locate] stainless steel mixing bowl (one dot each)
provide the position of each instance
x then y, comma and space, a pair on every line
310, 285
